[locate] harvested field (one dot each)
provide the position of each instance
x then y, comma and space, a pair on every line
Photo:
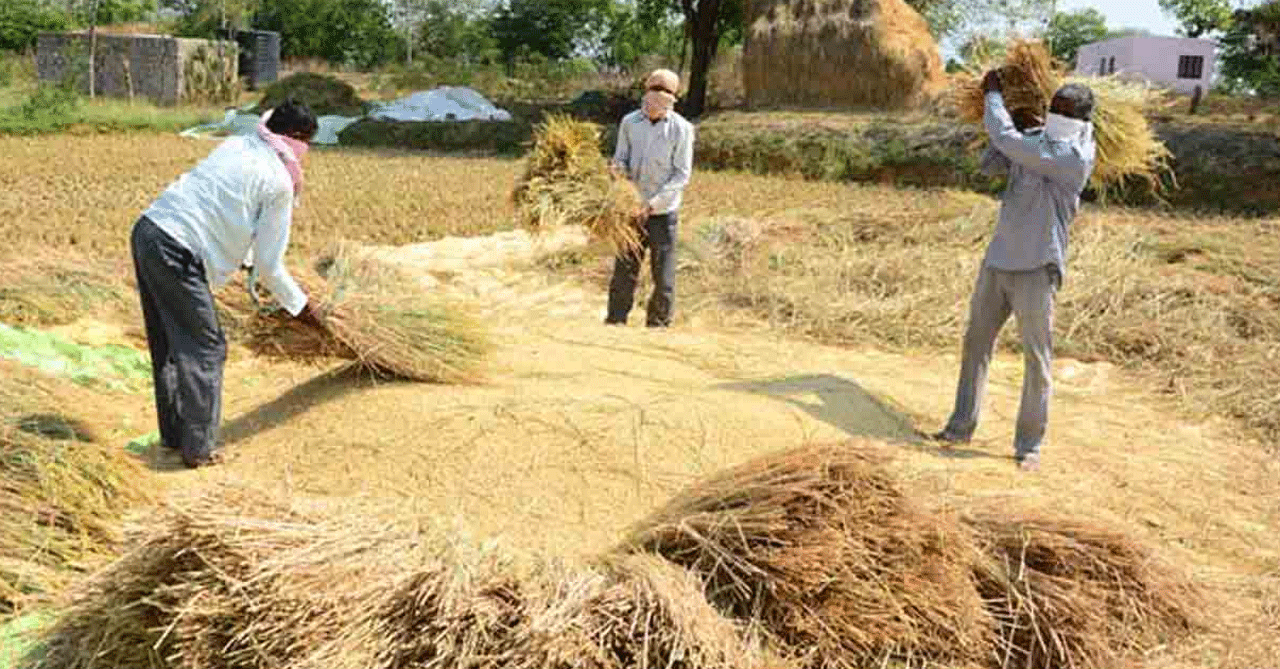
583, 432
62, 488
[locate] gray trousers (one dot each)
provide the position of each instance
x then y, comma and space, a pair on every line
188, 347
659, 239
1030, 297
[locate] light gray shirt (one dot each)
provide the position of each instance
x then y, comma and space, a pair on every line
657, 157
1042, 198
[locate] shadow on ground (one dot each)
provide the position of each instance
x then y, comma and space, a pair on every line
298, 400
847, 406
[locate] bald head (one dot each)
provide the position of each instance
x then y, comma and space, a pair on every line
1073, 101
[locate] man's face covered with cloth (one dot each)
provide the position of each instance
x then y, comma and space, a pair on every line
660, 94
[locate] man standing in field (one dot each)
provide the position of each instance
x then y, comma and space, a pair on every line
237, 201
655, 151
1025, 262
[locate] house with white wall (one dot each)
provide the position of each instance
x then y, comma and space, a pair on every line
1179, 63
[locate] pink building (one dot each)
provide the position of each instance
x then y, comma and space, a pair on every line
1178, 63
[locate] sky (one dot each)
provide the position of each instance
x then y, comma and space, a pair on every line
1141, 14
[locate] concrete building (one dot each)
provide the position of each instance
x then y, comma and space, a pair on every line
1178, 63
152, 67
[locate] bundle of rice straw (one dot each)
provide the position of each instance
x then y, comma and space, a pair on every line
838, 566
631, 611
567, 181
1127, 147
636, 611
1069, 593
382, 319
62, 494
231, 580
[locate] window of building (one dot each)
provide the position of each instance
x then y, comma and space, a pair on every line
1113, 65
1190, 67
1102, 67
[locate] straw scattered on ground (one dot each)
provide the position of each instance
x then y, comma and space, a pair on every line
567, 181
1074, 593
839, 567
55, 288
1127, 147
380, 318
63, 493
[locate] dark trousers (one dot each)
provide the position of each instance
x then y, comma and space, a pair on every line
188, 347
659, 239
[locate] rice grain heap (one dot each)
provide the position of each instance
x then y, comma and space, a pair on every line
839, 53
381, 319
835, 563
1069, 593
1127, 147
62, 493
567, 181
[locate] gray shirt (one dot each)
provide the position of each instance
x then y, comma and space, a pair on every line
657, 157
1045, 180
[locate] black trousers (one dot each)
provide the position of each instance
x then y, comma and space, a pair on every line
188, 346
659, 239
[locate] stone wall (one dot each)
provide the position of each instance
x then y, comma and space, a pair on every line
127, 66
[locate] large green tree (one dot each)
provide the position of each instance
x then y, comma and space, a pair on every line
22, 20
1068, 31
553, 29
1199, 17
1251, 51
343, 32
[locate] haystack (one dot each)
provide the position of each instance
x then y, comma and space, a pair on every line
62, 493
380, 318
839, 53
1127, 147
821, 547
1073, 593
233, 579
618, 613
567, 181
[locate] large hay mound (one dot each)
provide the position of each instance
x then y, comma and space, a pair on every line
62, 494
1070, 593
839, 53
325, 94
1127, 147
486, 611
232, 579
567, 181
379, 317
239, 580
821, 547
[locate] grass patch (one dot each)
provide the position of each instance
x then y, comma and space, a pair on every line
50, 109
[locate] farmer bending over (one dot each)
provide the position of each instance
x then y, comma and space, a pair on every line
1025, 262
655, 151
237, 201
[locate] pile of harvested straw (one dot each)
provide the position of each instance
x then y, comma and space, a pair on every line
567, 181
1127, 147
62, 495
230, 580
823, 549
876, 53
1073, 594
379, 318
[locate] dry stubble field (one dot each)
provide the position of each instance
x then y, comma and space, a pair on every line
1166, 414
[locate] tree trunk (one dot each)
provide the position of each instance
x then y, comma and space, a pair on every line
93, 51
706, 38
